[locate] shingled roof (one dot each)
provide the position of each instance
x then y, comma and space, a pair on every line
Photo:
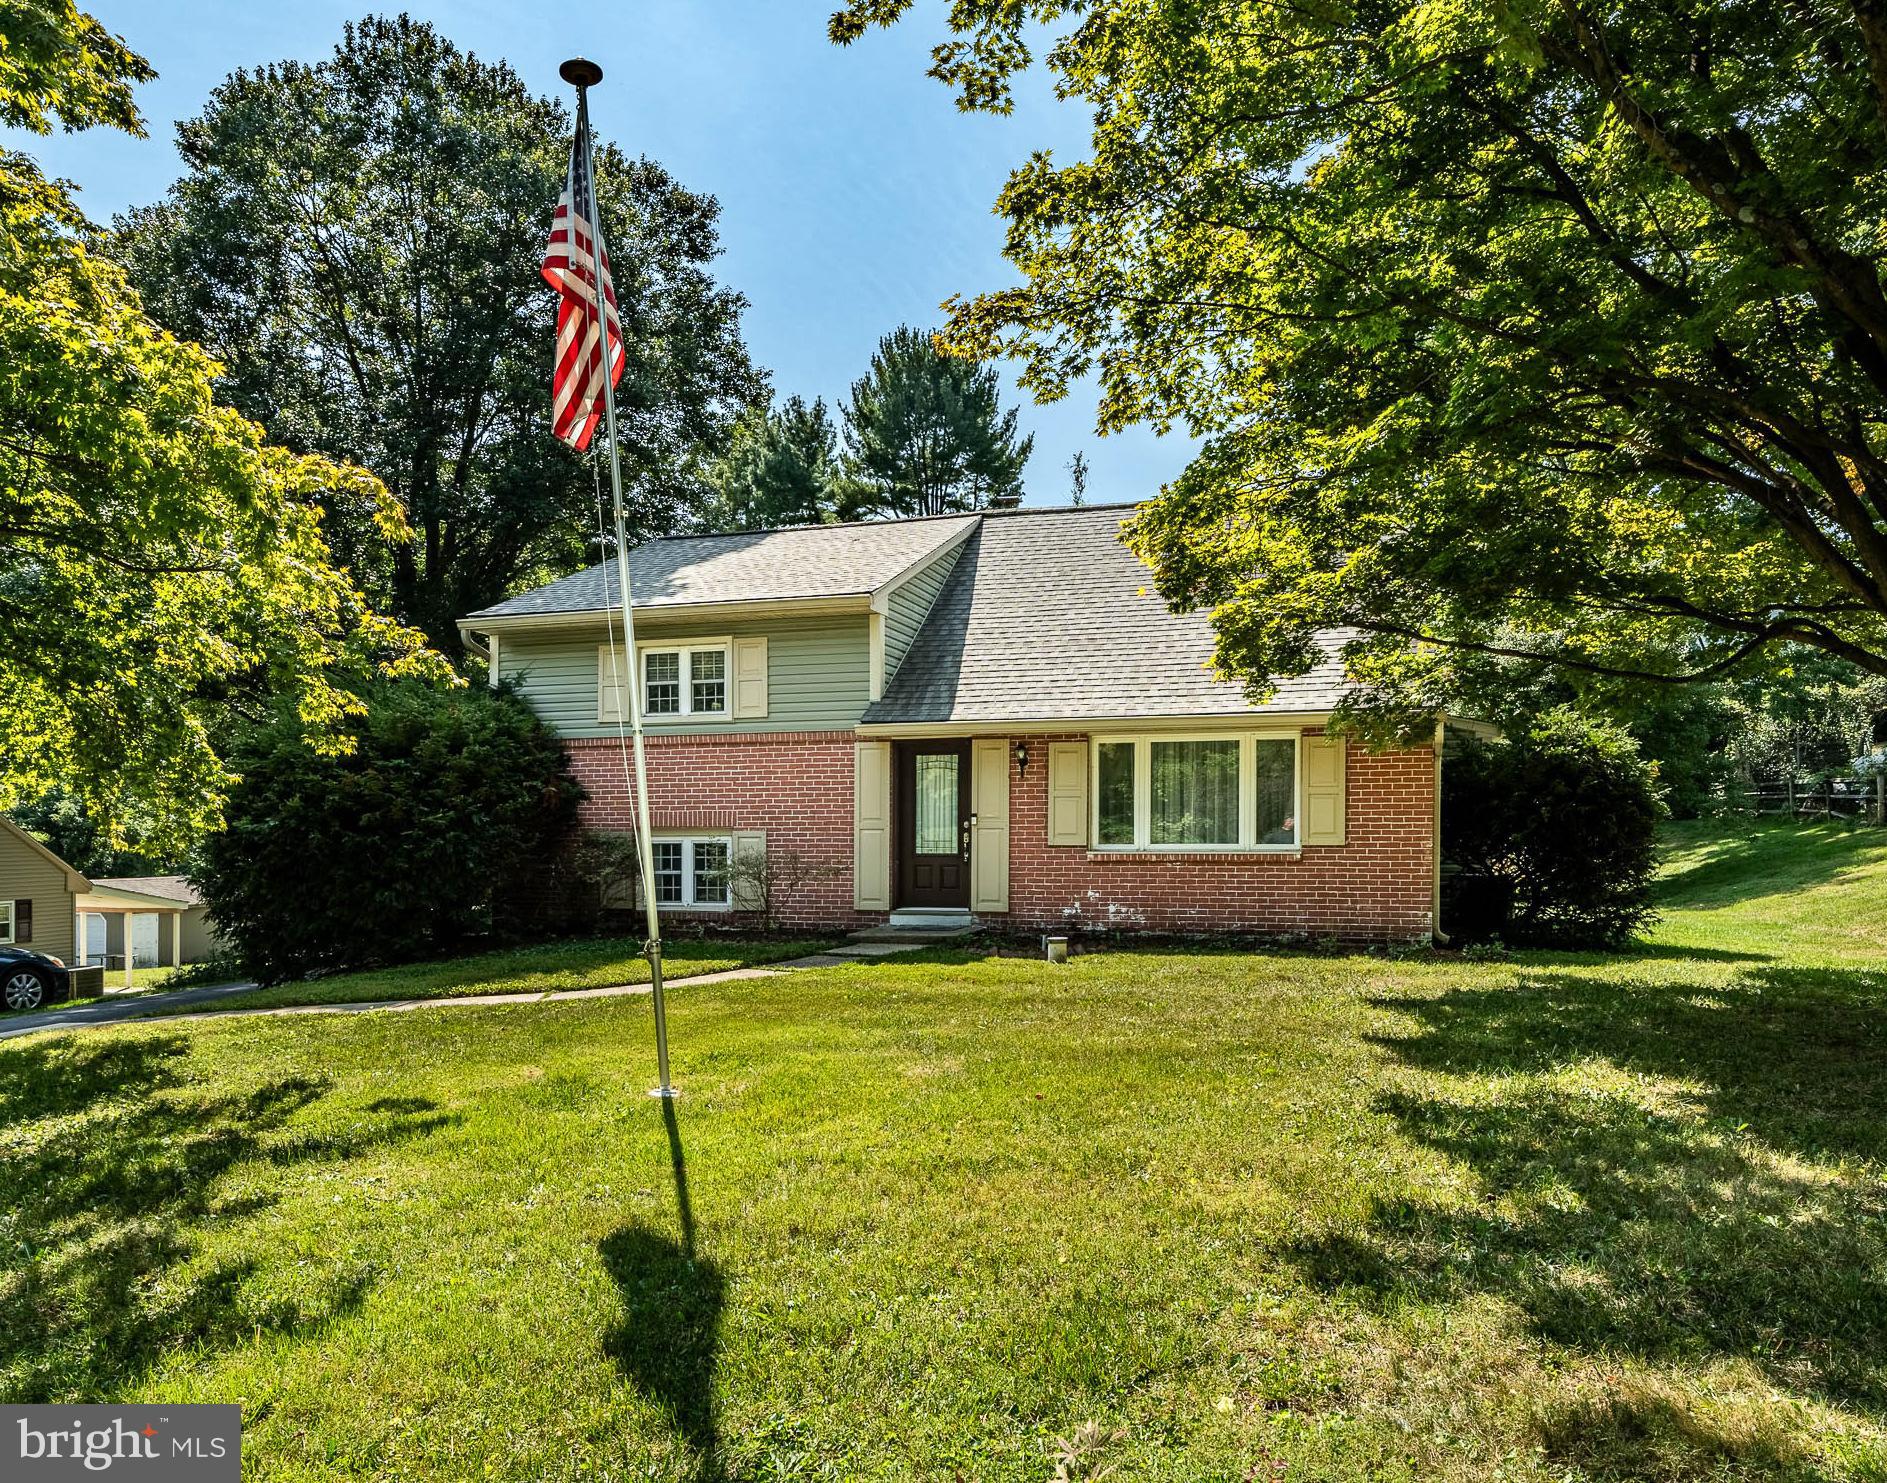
809, 561
1048, 616
171, 887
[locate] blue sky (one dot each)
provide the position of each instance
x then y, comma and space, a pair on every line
853, 194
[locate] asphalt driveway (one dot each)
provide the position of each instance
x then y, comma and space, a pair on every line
105, 1011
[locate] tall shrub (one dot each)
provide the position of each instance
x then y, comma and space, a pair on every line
439, 826
1552, 835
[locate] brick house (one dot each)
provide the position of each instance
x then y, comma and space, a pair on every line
987, 716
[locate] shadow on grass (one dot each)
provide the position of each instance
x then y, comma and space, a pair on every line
1638, 951
1797, 1056
106, 1190
1675, 1173
668, 1342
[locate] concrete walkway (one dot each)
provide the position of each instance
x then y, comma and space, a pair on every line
145, 1006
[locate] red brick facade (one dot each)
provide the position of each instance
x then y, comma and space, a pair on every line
794, 785
797, 787
1379, 886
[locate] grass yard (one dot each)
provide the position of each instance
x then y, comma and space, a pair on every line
1255, 1217
582, 963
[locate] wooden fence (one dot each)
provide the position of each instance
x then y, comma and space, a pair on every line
1819, 797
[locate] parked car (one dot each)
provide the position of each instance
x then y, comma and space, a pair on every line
29, 979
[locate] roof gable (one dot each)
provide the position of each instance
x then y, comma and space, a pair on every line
1048, 616
75, 882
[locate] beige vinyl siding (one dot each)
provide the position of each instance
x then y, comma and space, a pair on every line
199, 937
818, 674
911, 603
26, 875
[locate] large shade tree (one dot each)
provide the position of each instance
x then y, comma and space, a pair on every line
1551, 328
162, 568
358, 241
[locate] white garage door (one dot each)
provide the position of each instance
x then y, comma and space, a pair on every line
144, 939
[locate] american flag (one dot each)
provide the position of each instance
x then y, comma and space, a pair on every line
576, 395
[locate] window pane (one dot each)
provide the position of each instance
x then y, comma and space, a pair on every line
707, 674
1277, 792
662, 689
1195, 792
710, 870
6, 921
936, 804
667, 871
1115, 792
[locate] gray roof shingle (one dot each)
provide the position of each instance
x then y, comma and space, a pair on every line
1049, 616
173, 887
755, 566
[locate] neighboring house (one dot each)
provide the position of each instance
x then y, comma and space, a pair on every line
977, 714
48, 906
178, 930
37, 895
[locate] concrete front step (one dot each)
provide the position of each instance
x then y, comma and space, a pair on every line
911, 936
927, 917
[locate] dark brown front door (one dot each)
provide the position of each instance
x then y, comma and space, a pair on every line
934, 824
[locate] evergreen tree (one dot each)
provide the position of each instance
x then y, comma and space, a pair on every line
925, 434
782, 468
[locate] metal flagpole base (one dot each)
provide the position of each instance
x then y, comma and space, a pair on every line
652, 949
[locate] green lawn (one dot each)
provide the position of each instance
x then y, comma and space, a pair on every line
582, 963
1807, 892
1257, 1217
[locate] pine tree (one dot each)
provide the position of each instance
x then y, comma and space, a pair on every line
925, 434
782, 469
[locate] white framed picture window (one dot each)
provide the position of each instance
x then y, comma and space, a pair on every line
1212, 791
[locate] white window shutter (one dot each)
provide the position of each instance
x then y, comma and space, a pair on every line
1067, 793
1325, 787
989, 832
748, 853
871, 826
750, 679
613, 673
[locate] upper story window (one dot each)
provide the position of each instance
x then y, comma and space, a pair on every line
685, 681
1231, 791
705, 679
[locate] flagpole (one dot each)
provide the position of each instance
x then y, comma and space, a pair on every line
584, 75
